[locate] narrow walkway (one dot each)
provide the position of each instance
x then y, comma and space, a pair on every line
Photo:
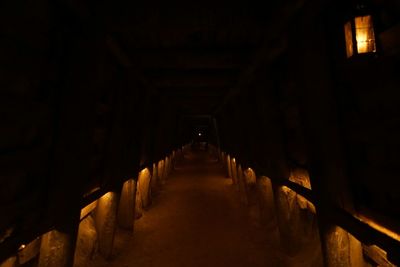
196, 220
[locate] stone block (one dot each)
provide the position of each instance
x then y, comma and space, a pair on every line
144, 187
10, 262
29, 251
86, 244
105, 220
126, 209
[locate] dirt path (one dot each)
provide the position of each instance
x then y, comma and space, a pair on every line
196, 220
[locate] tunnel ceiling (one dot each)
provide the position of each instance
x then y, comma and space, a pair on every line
192, 55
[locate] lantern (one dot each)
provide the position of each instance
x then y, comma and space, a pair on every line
359, 34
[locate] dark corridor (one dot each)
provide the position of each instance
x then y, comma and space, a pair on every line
297, 102
196, 220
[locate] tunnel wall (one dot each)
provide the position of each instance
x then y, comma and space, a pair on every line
78, 121
91, 239
309, 107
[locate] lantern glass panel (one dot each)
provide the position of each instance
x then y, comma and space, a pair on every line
365, 34
348, 33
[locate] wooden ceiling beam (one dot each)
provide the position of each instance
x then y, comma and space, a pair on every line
193, 58
211, 72
190, 81
209, 90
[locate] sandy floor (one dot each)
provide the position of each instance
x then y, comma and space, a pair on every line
196, 220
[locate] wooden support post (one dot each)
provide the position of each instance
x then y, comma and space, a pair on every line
328, 169
173, 160
299, 233
242, 185
234, 173
253, 201
155, 179
57, 249
86, 244
341, 248
267, 202
106, 221
126, 209
143, 185
161, 172
229, 166
138, 202
167, 167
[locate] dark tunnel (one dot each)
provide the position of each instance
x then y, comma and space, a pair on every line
210, 133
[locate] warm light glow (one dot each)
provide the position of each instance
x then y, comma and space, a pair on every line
88, 209
126, 208
144, 176
355, 246
365, 34
27, 252
348, 33
199, 134
378, 255
250, 176
286, 189
107, 195
144, 171
378, 227
300, 177
301, 201
379, 249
